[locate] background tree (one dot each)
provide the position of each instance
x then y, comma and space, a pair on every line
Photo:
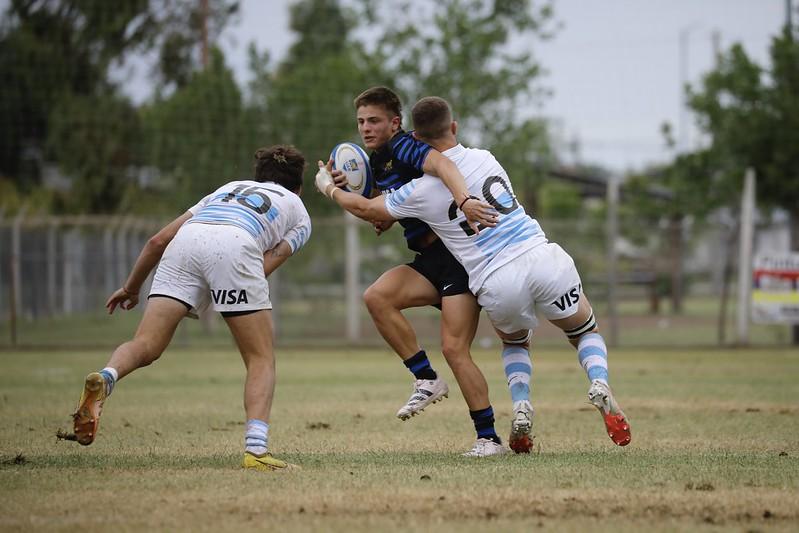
200, 136
751, 114
307, 99
61, 103
478, 55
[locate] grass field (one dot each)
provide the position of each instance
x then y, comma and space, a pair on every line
715, 447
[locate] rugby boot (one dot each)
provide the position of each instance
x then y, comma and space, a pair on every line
425, 392
616, 423
485, 448
86, 418
521, 428
265, 462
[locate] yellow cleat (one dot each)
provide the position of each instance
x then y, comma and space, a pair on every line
86, 418
265, 462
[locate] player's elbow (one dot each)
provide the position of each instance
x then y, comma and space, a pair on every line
157, 243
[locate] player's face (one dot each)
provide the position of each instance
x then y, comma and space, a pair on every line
376, 125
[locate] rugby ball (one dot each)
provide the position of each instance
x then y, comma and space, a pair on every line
353, 161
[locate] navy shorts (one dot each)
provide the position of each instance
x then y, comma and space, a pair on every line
439, 266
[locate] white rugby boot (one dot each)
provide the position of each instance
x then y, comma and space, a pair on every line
521, 428
425, 392
616, 423
485, 448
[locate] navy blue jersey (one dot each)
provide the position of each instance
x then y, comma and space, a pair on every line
399, 161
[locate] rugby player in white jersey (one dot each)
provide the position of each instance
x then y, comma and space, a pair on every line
512, 267
218, 253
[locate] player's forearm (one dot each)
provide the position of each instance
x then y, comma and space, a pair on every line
367, 209
152, 252
441, 166
147, 260
275, 257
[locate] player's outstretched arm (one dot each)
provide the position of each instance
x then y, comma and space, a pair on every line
476, 210
127, 296
371, 209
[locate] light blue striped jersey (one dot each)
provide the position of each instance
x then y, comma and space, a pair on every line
428, 199
267, 211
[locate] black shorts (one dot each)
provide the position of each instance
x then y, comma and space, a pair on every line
440, 267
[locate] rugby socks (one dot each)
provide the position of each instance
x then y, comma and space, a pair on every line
420, 366
256, 436
110, 376
593, 356
518, 370
484, 424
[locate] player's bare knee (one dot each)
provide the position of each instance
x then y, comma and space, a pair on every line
373, 299
454, 352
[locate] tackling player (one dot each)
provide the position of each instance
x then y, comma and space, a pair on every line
219, 252
512, 267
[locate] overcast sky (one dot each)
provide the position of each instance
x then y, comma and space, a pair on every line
614, 67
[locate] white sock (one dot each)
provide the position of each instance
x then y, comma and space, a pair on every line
256, 437
110, 375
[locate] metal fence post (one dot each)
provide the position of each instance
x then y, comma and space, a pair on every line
352, 264
612, 236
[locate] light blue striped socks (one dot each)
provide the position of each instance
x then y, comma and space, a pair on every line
110, 376
256, 437
518, 370
593, 356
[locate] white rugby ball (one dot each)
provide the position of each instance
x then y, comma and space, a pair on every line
353, 161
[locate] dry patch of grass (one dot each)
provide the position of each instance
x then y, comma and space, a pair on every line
715, 445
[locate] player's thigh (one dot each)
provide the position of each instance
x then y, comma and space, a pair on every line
508, 300
236, 278
582, 314
402, 287
558, 288
179, 274
159, 322
252, 332
460, 315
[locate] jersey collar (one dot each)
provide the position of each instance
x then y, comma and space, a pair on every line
455, 151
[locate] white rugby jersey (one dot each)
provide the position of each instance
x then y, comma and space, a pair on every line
267, 211
428, 199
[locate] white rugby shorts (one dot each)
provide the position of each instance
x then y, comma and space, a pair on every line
214, 264
544, 277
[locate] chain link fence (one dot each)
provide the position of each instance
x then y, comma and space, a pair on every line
56, 273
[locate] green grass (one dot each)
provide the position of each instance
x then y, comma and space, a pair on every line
715, 446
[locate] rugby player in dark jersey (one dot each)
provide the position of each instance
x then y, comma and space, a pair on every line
434, 277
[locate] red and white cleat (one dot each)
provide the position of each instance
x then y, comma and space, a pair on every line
616, 423
521, 428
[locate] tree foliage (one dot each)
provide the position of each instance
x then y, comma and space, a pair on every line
61, 102
751, 115
478, 54
307, 98
200, 136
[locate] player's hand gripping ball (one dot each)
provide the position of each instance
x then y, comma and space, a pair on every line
354, 163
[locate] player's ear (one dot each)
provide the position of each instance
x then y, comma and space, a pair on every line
454, 128
396, 123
